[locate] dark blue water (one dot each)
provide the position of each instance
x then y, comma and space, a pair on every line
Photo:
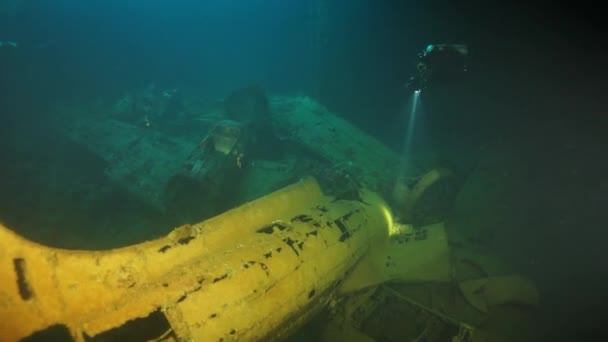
529, 119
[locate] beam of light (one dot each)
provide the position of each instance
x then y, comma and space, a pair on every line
407, 146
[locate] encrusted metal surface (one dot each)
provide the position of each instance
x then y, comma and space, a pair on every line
255, 272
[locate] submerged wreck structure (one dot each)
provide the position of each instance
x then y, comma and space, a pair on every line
289, 225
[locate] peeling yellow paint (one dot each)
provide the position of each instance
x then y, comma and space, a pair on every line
228, 277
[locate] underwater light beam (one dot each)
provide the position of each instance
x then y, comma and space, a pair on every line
407, 147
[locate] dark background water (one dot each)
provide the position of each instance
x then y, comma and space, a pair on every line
366, 49
535, 93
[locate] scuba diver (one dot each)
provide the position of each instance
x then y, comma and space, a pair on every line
439, 63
